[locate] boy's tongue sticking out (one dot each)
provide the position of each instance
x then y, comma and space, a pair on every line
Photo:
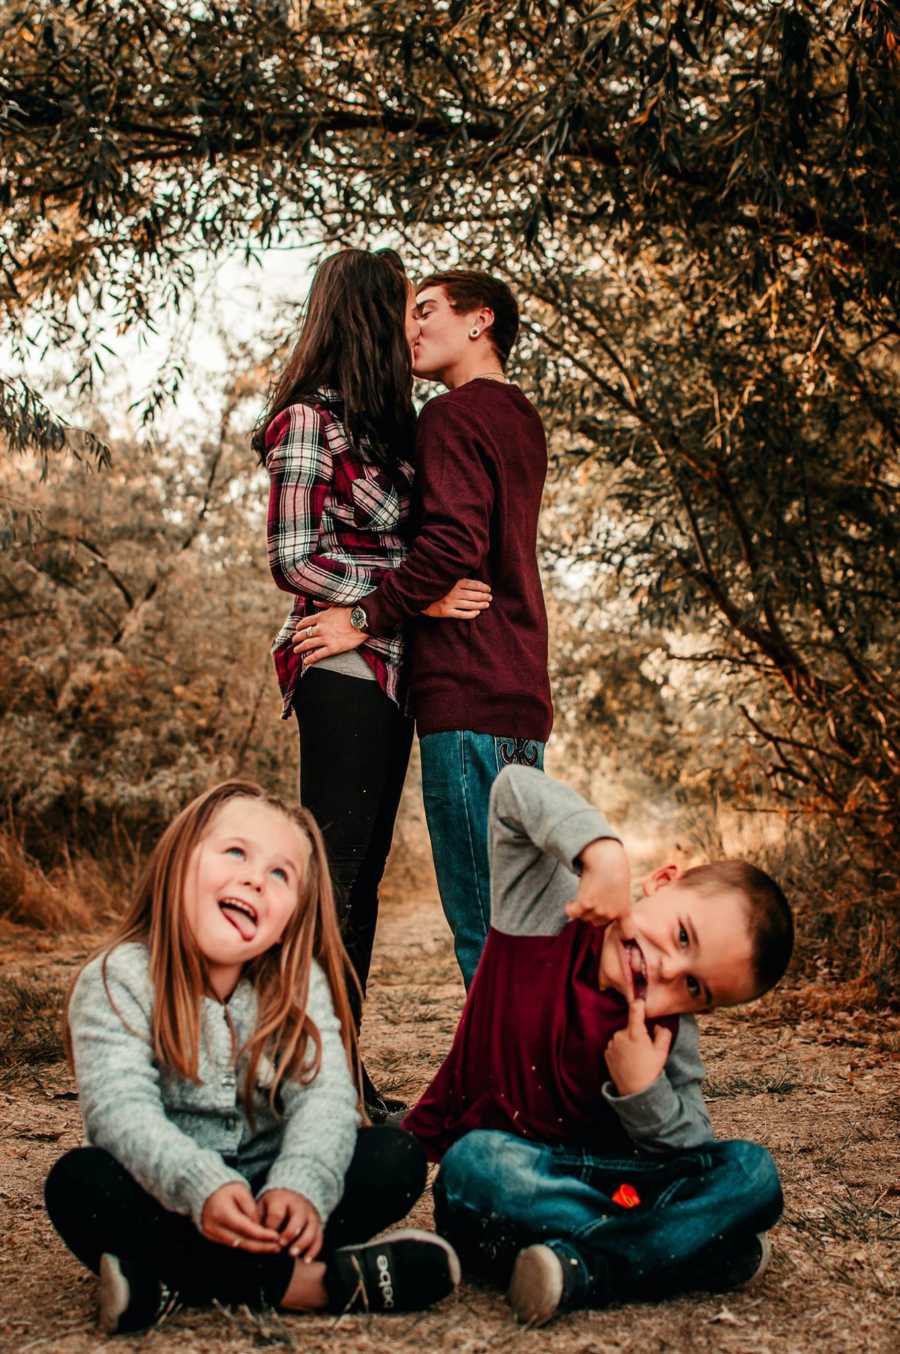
637, 967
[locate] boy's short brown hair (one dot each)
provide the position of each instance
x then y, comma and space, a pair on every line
468, 289
768, 914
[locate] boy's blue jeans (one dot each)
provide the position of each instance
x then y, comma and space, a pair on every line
496, 1193
458, 770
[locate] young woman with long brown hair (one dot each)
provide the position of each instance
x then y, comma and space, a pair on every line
213, 1046
337, 438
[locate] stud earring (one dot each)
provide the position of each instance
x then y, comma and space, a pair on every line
473, 332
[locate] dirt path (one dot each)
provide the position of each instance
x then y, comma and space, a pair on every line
822, 1097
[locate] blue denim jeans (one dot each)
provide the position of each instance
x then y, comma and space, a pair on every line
458, 770
496, 1193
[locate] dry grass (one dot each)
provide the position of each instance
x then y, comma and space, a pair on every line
72, 896
28, 895
30, 1025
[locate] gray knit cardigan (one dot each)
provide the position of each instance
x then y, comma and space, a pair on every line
180, 1140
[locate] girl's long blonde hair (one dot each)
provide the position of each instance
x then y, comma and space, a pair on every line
281, 975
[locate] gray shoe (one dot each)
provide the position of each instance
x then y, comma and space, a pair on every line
538, 1288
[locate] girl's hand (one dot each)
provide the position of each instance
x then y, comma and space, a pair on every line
465, 600
634, 1059
326, 634
231, 1217
295, 1219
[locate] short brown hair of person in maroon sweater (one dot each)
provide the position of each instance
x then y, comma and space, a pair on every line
769, 918
468, 290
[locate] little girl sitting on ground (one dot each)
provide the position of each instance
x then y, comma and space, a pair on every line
212, 1042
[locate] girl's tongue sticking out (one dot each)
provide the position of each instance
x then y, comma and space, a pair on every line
241, 915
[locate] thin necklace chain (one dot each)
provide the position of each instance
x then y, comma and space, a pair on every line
483, 375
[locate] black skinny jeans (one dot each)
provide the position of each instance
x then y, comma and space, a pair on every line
354, 750
96, 1206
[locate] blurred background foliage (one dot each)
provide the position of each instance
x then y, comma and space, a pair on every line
696, 203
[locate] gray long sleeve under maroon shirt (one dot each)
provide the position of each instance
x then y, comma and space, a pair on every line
481, 461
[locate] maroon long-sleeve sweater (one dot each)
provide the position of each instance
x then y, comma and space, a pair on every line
481, 461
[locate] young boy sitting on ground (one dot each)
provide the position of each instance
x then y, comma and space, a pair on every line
578, 1160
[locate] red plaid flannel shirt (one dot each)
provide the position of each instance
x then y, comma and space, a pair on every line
335, 523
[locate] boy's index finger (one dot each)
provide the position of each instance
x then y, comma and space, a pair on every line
637, 1016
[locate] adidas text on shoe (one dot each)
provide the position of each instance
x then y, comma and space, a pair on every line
405, 1271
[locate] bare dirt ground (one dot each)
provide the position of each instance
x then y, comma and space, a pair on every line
820, 1094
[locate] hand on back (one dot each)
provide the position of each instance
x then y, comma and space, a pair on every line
464, 602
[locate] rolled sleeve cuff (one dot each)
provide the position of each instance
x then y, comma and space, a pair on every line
202, 1180
646, 1114
658, 1119
577, 832
320, 1186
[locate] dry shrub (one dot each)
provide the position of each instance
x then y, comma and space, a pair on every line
30, 896
76, 895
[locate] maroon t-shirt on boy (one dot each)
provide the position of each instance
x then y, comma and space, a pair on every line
481, 461
527, 1057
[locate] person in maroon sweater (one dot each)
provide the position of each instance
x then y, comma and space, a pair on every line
481, 692
578, 1162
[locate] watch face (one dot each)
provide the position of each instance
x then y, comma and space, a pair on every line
358, 618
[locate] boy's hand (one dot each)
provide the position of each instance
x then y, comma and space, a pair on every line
295, 1219
604, 890
634, 1059
231, 1217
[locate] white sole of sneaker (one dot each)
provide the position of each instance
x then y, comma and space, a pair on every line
536, 1287
418, 1234
765, 1247
115, 1293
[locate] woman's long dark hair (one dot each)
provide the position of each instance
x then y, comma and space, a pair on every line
353, 342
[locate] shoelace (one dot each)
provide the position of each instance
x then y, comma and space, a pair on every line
169, 1304
359, 1291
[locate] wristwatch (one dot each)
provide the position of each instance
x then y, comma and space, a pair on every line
358, 618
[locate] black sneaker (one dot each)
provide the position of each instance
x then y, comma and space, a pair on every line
131, 1301
406, 1271
541, 1285
741, 1265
